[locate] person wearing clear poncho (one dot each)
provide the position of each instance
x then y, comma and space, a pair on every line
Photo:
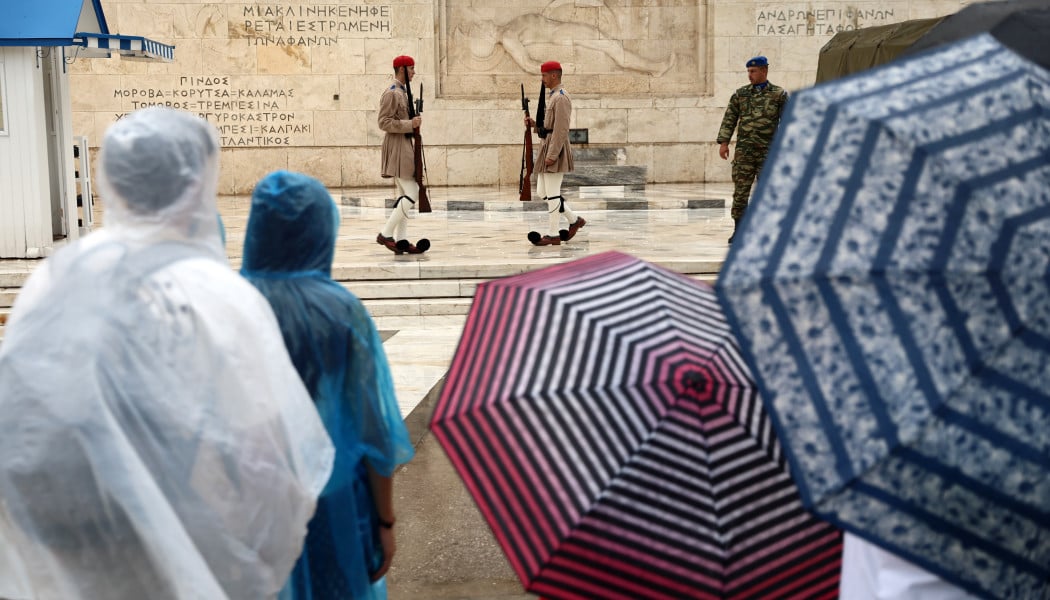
288, 250
156, 440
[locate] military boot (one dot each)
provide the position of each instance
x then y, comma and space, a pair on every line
389, 244
568, 234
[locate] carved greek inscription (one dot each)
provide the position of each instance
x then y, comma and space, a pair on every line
244, 116
805, 20
308, 24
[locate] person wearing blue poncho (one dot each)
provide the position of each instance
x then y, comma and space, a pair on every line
288, 249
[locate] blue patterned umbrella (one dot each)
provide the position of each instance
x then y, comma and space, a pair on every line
891, 290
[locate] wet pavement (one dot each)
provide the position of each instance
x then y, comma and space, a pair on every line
419, 303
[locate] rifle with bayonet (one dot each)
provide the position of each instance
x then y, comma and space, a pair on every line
414, 109
541, 112
525, 176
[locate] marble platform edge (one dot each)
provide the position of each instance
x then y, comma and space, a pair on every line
580, 203
591, 174
425, 272
430, 280
374, 289
416, 307
431, 302
440, 270
15, 278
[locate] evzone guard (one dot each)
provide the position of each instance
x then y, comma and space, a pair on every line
555, 156
398, 159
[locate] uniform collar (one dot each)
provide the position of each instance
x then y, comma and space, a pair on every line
556, 88
760, 87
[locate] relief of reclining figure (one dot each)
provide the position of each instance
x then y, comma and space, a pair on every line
528, 38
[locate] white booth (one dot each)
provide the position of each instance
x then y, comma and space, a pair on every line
43, 170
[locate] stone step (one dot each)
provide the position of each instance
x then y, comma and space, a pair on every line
599, 174
608, 191
603, 166
410, 289
13, 278
603, 155
425, 290
423, 305
416, 288
402, 279
412, 269
7, 297
587, 198
416, 307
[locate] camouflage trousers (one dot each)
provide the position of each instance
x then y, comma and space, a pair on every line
747, 164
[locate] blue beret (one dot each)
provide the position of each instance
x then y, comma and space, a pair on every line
758, 61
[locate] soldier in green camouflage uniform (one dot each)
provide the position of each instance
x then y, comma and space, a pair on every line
754, 111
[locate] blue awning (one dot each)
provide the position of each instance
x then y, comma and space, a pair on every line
128, 46
49, 22
72, 23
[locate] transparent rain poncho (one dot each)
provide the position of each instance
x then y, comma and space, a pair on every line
336, 348
156, 440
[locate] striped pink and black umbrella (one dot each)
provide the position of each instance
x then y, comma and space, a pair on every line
601, 416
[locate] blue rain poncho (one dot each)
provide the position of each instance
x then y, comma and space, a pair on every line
334, 344
155, 440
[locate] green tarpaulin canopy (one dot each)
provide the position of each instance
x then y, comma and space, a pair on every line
859, 49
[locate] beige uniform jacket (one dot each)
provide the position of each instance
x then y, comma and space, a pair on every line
398, 160
556, 145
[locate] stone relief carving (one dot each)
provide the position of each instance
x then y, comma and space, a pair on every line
527, 39
635, 49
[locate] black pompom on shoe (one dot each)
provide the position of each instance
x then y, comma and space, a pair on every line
534, 237
421, 246
403, 245
563, 234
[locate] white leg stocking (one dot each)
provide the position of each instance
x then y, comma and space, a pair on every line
548, 185
397, 225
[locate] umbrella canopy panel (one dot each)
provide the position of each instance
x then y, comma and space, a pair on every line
978, 18
601, 416
891, 289
1026, 32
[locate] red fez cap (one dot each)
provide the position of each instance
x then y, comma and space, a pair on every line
404, 61
550, 65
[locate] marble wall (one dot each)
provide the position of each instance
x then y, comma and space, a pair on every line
295, 83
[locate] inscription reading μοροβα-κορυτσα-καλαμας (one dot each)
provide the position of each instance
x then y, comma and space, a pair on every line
244, 116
